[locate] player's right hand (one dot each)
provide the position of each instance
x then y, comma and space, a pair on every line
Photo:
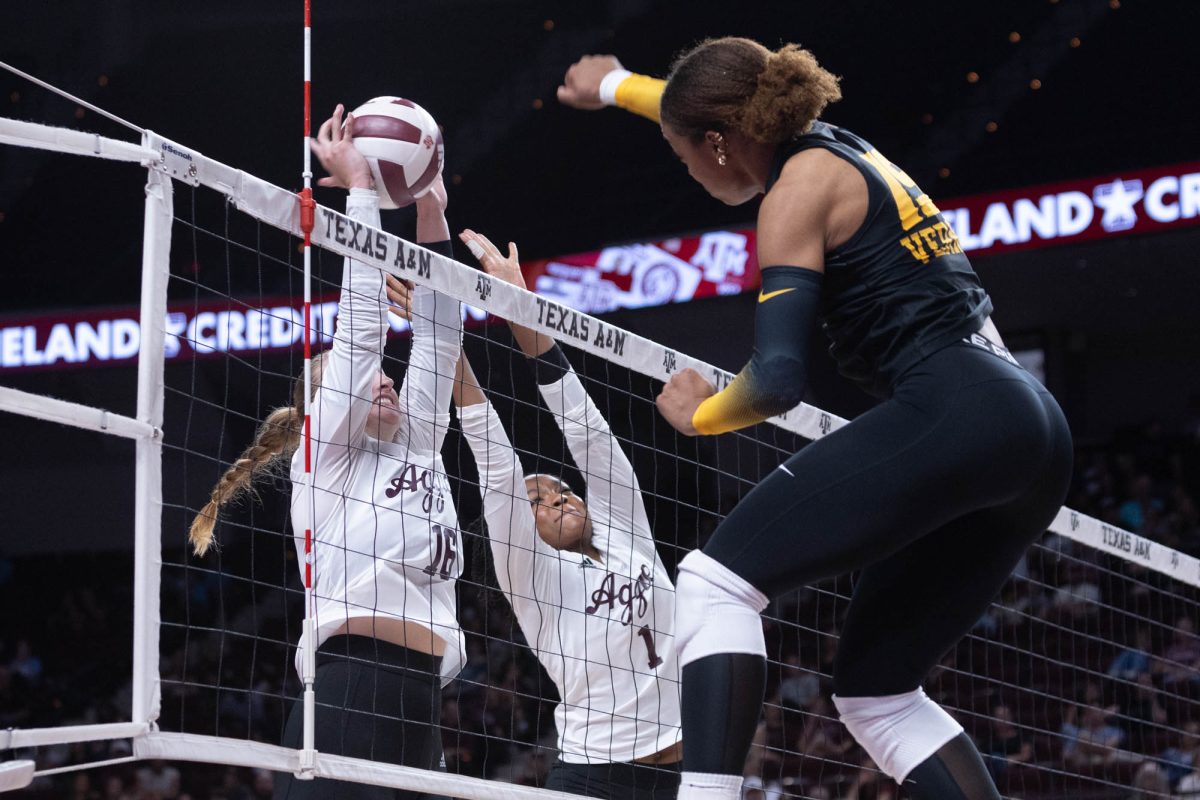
334, 148
581, 85
494, 263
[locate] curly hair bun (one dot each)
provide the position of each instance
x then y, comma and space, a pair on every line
793, 90
736, 83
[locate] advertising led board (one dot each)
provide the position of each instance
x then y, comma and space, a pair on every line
641, 275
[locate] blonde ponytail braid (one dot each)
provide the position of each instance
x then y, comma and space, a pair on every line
279, 435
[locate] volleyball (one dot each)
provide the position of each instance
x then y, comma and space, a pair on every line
402, 144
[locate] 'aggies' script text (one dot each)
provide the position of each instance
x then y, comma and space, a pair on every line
375, 245
413, 479
627, 596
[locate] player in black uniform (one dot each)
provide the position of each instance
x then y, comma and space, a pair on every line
934, 494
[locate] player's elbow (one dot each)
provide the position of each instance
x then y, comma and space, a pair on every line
781, 383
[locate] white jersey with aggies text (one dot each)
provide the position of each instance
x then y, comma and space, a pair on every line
603, 631
385, 532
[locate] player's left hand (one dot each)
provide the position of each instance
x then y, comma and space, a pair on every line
680, 398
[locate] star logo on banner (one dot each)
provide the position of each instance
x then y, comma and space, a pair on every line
1117, 200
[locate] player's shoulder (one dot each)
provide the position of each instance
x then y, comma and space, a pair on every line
808, 183
819, 195
809, 176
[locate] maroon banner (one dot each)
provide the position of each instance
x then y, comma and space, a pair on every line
1137, 201
652, 274
627, 276
113, 336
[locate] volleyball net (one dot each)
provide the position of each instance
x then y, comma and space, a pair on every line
1081, 680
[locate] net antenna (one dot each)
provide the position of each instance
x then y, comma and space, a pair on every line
307, 217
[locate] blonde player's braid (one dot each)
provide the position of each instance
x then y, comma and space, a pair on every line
277, 438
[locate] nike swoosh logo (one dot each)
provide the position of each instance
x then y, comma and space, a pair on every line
762, 298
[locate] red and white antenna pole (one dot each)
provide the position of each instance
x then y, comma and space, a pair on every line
307, 215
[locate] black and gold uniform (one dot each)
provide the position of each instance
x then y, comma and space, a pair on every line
901, 288
935, 493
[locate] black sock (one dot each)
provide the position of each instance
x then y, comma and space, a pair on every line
722, 700
954, 772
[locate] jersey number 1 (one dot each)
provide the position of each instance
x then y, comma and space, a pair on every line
648, 638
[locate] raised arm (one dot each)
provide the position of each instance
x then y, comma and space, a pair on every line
343, 401
437, 339
516, 547
594, 82
612, 486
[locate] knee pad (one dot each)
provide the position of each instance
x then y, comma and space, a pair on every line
898, 731
716, 611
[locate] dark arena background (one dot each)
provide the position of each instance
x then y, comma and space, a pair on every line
1059, 137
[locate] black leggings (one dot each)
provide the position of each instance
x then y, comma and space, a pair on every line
619, 781
934, 494
375, 700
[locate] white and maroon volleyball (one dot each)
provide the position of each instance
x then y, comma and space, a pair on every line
402, 144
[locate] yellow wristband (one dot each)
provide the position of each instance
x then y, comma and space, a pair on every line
641, 94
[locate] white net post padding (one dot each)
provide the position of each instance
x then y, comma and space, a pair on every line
16, 775
63, 140
145, 430
52, 409
190, 747
148, 471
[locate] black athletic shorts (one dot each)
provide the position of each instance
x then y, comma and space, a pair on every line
934, 495
619, 781
375, 700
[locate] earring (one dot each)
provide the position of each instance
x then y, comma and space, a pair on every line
721, 159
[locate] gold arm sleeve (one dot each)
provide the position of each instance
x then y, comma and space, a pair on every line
729, 409
641, 94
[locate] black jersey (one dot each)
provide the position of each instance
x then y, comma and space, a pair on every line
900, 288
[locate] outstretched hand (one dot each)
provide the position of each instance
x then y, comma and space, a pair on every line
680, 398
581, 85
505, 268
334, 148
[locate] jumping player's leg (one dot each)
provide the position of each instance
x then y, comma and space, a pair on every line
907, 611
962, 433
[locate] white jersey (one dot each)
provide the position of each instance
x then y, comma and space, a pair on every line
385, 532
603, 631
